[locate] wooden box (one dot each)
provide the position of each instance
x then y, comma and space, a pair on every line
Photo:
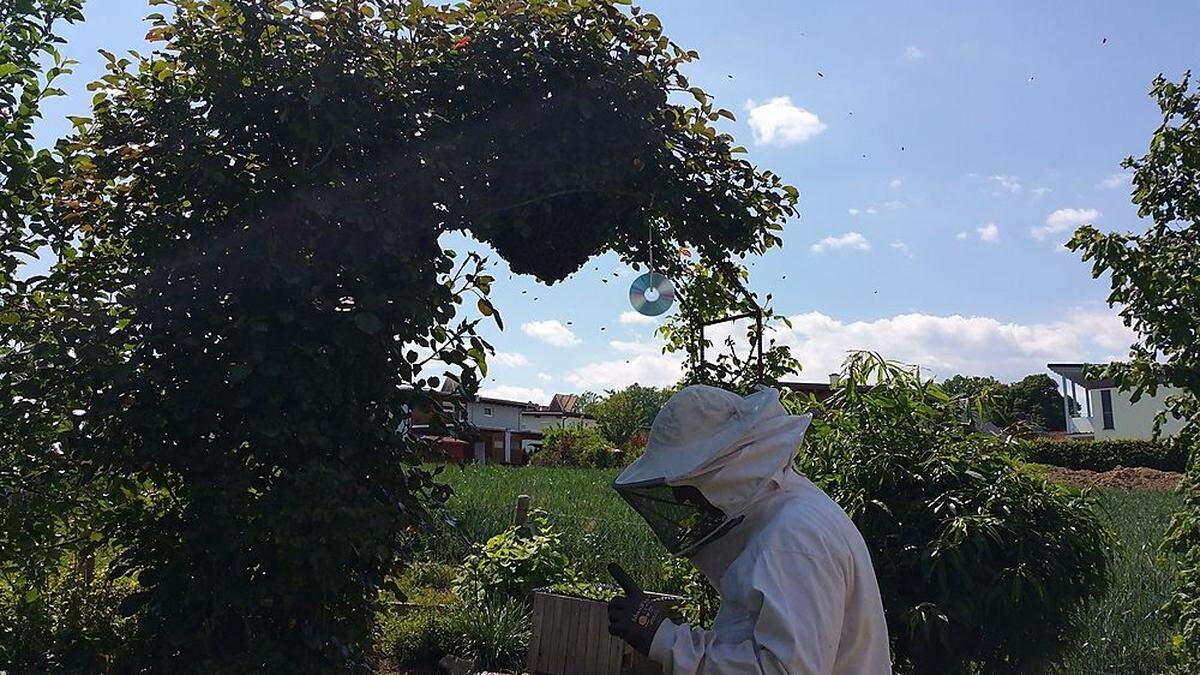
570, 636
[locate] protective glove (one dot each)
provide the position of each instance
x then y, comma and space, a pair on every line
633, 617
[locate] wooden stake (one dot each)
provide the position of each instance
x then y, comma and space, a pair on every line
521, 510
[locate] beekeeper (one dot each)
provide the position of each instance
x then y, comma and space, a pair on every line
798, 593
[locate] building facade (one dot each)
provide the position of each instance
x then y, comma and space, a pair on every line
507, 432
1104, 412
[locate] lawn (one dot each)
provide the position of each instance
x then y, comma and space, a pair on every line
1120, 633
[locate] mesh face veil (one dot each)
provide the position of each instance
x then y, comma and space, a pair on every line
680, 516
709, 456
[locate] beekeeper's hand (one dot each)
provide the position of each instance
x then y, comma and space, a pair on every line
633, 617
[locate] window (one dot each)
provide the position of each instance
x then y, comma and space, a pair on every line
1106, 408
487, 412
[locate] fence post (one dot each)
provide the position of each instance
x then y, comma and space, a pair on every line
521, 510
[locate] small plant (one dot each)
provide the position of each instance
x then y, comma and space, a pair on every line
514, 562
492, 633
412, 636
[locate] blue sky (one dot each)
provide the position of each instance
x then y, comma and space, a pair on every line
943, 151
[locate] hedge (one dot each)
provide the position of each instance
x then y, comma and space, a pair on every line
1105, 455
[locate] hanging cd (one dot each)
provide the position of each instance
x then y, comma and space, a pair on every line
652, 294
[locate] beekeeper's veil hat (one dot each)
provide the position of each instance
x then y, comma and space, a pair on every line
710, 454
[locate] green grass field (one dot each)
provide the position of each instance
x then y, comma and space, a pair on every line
1120, 633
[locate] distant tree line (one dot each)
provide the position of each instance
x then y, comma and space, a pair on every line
1033, 402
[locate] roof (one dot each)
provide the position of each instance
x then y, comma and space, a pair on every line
502, 401
1075, 373
564, 402
556, 413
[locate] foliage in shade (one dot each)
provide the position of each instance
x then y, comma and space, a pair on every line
1155, 280
249, 289
980, 566
1104, 455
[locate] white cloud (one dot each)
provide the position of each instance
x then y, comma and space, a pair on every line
545, 377
651, 370
851, 240
512, 393
989, 233
913, 52
870, 211
1041, 191
512, 359
903, 247
895, 183
1007, 182
974, 345
1062, 220
552, 332
1116, 180
893, 204
779, 120
635, 347
636, 318
943, 345
961, 236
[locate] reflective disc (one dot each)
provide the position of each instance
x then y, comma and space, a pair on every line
652, 294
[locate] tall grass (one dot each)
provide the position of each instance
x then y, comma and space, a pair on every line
1122, 632
597, 526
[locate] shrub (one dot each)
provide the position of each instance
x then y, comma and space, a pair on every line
1105, 455
981, 567
575, 446
70, 625
514, 562
413, 636
492, 633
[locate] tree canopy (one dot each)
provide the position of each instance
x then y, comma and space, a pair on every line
250, 290
1033, 402
1155, 280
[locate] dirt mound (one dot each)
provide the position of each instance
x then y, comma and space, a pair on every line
1123, 477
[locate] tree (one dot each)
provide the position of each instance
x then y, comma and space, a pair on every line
1032, 402
1035, 402
969, 385
1155, 281
250, 235
53, 503
621, 413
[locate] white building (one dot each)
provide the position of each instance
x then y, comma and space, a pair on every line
509, 430
1105, 412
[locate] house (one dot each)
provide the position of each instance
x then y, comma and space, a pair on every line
1105, 411
563, 412
503, 431
818, 390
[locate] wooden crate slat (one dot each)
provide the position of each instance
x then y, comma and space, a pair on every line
598, 629
532, 662
583, 636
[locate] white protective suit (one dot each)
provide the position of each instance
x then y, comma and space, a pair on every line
798, 592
